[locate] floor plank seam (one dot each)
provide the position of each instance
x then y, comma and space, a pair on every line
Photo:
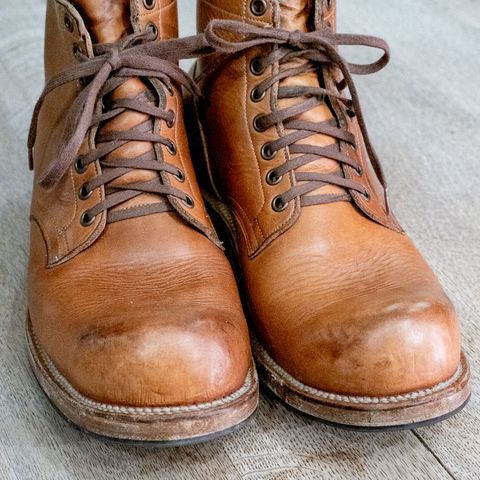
437, 458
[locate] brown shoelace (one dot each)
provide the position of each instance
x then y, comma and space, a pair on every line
112, 65
318, 48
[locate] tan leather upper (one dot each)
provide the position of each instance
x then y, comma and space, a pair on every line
64, 235
129, 311
338, 295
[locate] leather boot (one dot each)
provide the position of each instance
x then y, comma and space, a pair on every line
351, 325
135, 328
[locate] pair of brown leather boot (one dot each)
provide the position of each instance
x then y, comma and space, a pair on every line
136, 329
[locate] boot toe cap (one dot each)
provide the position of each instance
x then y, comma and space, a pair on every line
399, 349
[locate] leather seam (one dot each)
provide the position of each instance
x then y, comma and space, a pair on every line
69, 391
306, 389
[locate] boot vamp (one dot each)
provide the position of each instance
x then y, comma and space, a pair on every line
147, 315
348, 306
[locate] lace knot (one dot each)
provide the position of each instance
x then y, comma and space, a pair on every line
114, 59
296, 39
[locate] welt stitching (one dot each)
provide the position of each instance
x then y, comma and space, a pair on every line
353, 398
69, 390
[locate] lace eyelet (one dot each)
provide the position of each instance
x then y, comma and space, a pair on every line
267, 152
258, 7
171, 123
257, 125
329, 4
76, 50
256, 96
279, 204
256, 66
358, 170
171, 148
149, 4
366, 195
180, 176
79, 166
188, 201
272, 178
151, 26
86, 219
84, 192
68, 22
169, 90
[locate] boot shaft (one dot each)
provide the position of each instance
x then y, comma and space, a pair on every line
302, 15
74, 38
73, 26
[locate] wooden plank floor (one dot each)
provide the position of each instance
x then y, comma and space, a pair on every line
423, 114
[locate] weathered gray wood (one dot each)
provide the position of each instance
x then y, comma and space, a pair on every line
423, 114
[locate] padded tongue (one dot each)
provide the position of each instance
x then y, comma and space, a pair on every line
297, 14
106, 20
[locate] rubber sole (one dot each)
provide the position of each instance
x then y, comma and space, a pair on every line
143, 426
407, 411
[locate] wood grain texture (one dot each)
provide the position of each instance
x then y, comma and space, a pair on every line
423, 115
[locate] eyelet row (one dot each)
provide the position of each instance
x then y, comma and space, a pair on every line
83, 194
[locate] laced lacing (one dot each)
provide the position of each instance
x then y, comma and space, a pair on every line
318, 49
112, 65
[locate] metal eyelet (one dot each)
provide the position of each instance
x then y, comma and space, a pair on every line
272, 178
86, 219
84, 192
171, 148
68, 22
151, 26
256, 66
149, 4
171, 123
258, 7
279, 204
79, 166
76, 50
257, 123
256, 96
267, 152
366, 195
169, 90
188, 201
180, 176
